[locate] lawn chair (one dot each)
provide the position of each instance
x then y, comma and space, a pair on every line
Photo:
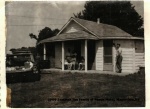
67, 65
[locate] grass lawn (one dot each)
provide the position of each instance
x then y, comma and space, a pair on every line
80, 90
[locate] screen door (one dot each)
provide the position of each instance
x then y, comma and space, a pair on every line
108, 63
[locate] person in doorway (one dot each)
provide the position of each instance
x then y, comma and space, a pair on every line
68, 55
119, 57
68, 59
74, 59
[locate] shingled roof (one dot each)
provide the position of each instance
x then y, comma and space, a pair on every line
102, 30
92, 30
70, 36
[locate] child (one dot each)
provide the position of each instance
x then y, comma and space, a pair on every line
81, 63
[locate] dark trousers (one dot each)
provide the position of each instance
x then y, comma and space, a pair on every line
119, 62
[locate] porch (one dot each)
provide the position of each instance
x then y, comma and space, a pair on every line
82, 48
98, 54
81, 43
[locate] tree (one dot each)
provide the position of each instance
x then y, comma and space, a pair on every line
43, 34
119, 13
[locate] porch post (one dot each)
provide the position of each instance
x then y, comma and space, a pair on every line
86, 62
62, 56
44, 52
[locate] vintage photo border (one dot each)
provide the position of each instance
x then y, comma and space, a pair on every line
3, 30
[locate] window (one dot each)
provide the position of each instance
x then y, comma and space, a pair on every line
139, 46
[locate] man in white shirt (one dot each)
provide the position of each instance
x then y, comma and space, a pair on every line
119, 58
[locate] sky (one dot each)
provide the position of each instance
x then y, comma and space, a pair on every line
23, 18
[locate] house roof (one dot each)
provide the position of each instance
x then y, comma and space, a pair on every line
102, 30
70, 36
92, 31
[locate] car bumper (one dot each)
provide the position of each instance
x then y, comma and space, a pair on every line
21, 76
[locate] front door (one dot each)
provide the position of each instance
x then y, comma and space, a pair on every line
91, 55
108, 63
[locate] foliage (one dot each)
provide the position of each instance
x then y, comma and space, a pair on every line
119, 13
43, 34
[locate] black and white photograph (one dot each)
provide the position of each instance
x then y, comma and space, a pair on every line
75, 54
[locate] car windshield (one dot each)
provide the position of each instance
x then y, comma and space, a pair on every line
17, 60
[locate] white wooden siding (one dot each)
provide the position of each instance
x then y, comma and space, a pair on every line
128, 55
58, 55
139, 54
99, 55
139, 60
72, 27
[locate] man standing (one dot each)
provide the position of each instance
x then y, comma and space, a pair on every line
118, 57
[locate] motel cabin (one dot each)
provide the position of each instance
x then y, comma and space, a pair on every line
94, 41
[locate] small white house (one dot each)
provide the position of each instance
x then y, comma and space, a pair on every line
95, 41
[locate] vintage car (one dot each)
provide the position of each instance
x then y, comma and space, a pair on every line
21, 67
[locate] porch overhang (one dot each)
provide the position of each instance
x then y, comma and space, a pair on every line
80, 35
125, 38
